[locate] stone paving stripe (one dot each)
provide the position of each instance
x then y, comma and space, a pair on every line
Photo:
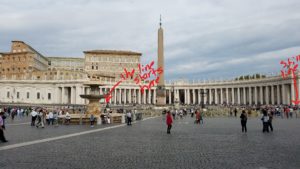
17, 124
63, 137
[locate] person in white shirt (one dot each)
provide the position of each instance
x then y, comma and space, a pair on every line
33, 117
68, 118
51, 118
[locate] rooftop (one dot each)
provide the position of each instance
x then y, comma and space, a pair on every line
118, 52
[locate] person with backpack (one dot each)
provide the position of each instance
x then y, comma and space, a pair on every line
243, 118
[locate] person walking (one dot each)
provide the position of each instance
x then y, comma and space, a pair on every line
243, 118
169, 122
2, 137
197, 117
128, 118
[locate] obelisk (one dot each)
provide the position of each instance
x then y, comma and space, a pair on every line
160, 91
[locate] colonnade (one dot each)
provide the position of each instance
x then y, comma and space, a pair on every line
130, 95
241, 95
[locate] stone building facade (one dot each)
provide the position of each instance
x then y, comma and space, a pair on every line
26, 76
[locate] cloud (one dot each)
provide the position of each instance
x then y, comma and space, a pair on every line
203, 39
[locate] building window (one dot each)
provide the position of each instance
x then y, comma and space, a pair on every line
93, 67
38, 95
18, 95
8, 94
49, 96
27, 95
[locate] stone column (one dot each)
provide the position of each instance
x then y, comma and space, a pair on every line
205, 96
189, 96
120, 96
115, 96
199, 97
255, 95
139, 96
125, 95
267, 95
250, 95
272, 95
56, 96
194, 96
239, 95
216, 96
210, 96
278, 94
227, 95
154, 96
244, 95
62, 94
130, 96
221, 101
293, 94
185, 96
170, 97
144, 97
261, 95
149, 96
233, 97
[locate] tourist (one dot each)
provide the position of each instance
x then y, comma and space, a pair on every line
270, 121
128, 118
243, 118
265, 120
68, 118
40, 117
169, 122
47, 119
174, 113
197, 117
92, 120
51, 118
33, 117
235, 112
2, 137
55, 118
201, 117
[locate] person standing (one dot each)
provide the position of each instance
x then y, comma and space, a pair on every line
270, 121
128, 118
2, 137
243, 118
51, 118
265, 120
33, 117
68, 118
197, 117
169, 122
235, 112
92, 120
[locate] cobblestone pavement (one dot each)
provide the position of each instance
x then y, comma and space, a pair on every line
219, 143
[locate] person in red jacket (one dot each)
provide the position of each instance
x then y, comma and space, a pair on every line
169, 122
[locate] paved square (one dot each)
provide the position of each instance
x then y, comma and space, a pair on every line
219, 143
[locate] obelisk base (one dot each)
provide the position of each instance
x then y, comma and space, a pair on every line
160, 97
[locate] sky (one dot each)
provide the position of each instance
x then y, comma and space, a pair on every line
204, 39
